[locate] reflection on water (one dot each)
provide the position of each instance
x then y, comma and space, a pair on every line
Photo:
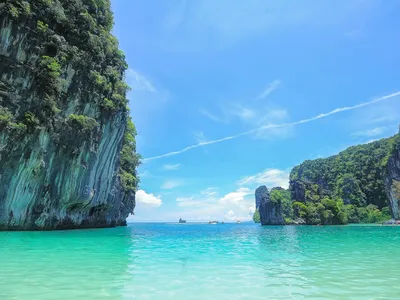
199, 261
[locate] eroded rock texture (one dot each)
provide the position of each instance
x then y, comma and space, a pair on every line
67, 148
270, 212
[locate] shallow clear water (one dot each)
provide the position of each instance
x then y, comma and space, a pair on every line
201, 261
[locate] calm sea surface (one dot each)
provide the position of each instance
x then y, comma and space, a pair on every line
201, 261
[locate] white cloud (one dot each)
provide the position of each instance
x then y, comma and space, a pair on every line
139, 82
273, 115
269, 177
269, 89
211, 116
252, 210
273, 133
370, 132
170, 167
235, 197
148, 199
255, 130
209, 192
207, 206
241, 112
231, 111
172, 183
230, 215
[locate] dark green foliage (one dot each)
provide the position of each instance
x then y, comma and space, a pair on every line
354, 175
6, 117
82, 123
327, 212
31, 121
396, 188
256, 217
42, 27
73, 32
371, 214
345, 188
129, 159
7, 123
282, 196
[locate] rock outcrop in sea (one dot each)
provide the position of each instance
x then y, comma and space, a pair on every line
270, 212
67, 145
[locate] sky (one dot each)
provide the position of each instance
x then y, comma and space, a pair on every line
228, 95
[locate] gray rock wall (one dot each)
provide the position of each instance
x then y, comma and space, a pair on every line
43, 183
270, 212
392, 179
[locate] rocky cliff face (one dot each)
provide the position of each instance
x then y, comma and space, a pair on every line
270, 212
392, 179
67, 148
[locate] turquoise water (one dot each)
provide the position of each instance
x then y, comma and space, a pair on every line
201, 261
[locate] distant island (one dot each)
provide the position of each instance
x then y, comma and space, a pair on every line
359, 185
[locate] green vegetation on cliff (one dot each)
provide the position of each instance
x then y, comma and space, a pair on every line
256, 217
68, 149
67, 36
359, 185
354, 175
345, 188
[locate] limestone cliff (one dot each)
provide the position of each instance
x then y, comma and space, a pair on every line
67, 147
360, 184
392, 179
270, 211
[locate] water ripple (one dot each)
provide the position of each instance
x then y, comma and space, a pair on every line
193, 261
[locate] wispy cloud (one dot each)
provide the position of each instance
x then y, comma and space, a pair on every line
241, 112
231, 111
269, 89
211, 116
170, 167
139, 82
387, 118
269, 177
200, 137
252, 131
370, 132
172, 183
148, 199
209, 192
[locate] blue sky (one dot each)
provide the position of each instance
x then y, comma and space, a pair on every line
228, 95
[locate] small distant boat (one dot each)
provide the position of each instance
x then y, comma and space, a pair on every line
213, 222
182, 220
238, 221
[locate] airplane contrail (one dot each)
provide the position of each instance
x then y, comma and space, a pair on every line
320, 116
